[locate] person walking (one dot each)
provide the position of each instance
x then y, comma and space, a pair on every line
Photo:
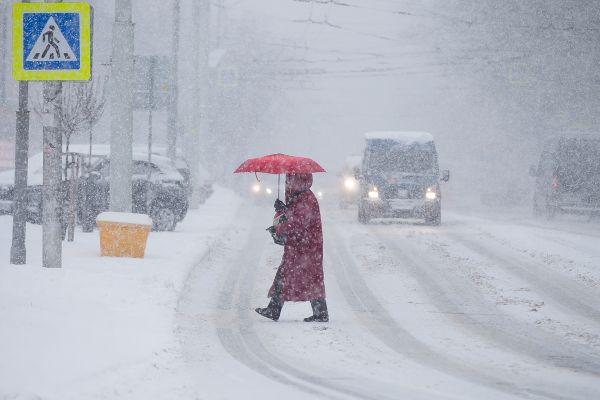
300, 274
52, 41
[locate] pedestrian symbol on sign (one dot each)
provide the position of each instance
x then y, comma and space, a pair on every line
51, 45
50, 35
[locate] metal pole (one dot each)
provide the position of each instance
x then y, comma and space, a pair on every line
91, 132
121, 138
5, 51
52, 196
172, 115
200, 122
151, 109
72, 184
18, 250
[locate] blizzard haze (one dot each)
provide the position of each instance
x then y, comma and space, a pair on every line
490, 81
466, 267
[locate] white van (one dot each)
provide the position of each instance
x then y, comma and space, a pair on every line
400, 177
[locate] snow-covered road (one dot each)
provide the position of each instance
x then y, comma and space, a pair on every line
476, 308
482, 307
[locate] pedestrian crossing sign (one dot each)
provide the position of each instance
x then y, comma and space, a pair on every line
52, 41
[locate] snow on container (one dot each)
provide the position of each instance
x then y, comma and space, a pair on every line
123, 234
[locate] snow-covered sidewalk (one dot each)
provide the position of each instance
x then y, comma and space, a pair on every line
97, 321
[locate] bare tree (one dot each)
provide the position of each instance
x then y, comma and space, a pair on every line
83, 106
94, 97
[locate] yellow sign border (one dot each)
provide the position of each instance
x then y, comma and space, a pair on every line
85, 20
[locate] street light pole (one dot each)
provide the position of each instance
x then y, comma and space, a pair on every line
200, 114
121, 138
174, 90
52, 199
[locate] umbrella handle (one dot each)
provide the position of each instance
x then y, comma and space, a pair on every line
256, 175
278, 182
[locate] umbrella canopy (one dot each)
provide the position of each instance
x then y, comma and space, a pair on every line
280, 164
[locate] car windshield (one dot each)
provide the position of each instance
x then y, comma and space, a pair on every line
578, 162
390, 156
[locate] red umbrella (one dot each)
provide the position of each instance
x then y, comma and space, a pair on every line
280, 164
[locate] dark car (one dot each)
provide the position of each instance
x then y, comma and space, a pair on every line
158, 190
400, 177
6, 199
568, 177
33, 193
205, 182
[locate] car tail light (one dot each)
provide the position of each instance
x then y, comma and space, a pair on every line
554, 183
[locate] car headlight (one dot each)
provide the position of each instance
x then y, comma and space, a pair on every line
268, 190
256, 188
430, 194
350, 183
374, 193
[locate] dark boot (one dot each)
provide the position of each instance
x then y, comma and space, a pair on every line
320, 313
272, 311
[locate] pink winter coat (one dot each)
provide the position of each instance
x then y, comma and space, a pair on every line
301, 270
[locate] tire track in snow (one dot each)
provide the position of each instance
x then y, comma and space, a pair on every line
240, 340
560, 236
384, 327
568, 295
449, 294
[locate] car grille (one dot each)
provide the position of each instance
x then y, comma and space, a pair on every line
402, 192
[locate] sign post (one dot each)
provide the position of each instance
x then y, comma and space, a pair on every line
18, 250
52, 43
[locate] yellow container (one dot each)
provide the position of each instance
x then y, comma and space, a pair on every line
123, 234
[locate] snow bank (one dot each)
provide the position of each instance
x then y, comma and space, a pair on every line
79, 331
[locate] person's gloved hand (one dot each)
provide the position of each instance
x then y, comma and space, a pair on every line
280, 240
279, 205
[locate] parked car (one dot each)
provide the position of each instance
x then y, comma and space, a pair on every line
400, 177
33, 198
348, 185
205, 182
158, 190
567, 177
159, 155
6, 199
